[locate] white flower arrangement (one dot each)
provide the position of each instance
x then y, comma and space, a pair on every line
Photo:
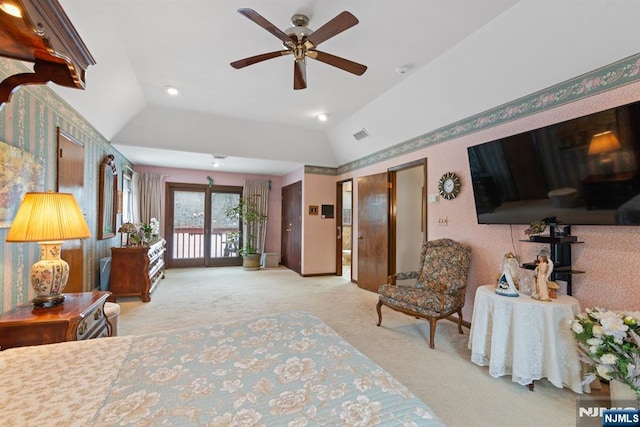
609, 342
155, 226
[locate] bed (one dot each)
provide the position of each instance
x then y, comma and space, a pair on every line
282, 369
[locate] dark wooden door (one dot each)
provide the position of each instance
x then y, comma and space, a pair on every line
373, 231
291, 239
71, 180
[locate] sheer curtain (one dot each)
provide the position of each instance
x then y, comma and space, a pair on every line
259, 191
135, 198
150, 196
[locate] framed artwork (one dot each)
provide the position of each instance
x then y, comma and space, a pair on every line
21, 172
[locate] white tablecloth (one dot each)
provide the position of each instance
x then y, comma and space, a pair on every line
525, 338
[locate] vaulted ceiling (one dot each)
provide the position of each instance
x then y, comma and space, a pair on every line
460, 57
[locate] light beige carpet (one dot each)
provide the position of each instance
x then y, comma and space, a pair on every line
460, 392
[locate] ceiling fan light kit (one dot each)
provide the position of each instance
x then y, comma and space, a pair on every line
301, 42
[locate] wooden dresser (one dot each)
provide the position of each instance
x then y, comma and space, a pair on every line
80, 317
136, 271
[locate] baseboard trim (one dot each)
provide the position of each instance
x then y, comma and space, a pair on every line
454, 319
333, 273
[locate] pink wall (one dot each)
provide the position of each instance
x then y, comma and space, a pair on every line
610, 256
221, 178
319, 234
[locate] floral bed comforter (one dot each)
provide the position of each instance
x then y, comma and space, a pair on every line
286, 369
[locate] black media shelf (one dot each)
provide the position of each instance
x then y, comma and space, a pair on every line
560, 253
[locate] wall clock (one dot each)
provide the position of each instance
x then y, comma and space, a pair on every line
449, 185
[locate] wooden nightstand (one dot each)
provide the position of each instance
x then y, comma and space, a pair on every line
610, 191
80, 317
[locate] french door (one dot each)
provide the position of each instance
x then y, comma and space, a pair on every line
198, 233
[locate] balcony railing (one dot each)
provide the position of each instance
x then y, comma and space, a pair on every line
189, 243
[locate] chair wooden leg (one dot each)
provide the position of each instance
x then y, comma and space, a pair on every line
460, 322
432, 332
379, 312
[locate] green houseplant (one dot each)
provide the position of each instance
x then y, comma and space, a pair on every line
248, 213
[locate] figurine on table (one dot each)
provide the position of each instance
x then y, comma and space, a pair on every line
542, 273
508, 282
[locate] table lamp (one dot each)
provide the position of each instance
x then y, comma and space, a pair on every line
48, 218
604, 143
127, 228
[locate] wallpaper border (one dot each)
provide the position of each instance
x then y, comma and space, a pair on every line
320, 170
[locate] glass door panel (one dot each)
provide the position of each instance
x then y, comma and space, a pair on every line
188, 226
225, 232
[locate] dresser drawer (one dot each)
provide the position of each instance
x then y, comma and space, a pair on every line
93, 325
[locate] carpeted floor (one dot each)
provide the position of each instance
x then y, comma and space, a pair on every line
461, 393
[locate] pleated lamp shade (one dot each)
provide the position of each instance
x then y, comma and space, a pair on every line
49, 219
604, 142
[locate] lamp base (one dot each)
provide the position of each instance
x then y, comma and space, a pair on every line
607, 165
49, 275
48, 301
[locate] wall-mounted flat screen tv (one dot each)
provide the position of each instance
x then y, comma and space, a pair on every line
582, 172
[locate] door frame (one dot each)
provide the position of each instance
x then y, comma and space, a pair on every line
339, 229
206, 259
393, 207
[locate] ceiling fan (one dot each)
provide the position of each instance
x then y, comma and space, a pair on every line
301, 42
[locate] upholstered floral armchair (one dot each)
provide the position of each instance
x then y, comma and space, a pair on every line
440, 288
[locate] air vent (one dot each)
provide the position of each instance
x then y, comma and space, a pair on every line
361, 134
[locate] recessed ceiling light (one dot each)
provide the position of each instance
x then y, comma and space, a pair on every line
172, 90
322, 117
11, 9
403, 69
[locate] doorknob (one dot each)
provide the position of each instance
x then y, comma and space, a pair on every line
359, 237
339, 233
289, 228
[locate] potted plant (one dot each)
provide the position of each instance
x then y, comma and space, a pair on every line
247, 211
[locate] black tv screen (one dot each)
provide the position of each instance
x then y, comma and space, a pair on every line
582, 172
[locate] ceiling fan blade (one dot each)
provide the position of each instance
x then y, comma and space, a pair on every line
343, 21
299, 75
264, 23
336, 61
241, 63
